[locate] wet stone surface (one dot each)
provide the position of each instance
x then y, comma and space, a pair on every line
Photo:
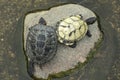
66, 58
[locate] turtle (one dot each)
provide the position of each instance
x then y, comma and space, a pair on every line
73, 28
41, 45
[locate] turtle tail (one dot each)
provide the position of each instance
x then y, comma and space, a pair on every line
30, 69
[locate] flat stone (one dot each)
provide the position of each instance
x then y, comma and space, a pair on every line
66, 58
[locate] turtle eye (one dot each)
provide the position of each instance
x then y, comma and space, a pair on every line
80, 15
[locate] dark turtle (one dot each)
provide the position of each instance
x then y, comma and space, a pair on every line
41, 45
73, 28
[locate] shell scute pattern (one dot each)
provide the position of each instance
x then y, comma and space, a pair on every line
41, 43
71, 29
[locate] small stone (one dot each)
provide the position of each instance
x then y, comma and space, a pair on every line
2, 39
12, 55
118, 29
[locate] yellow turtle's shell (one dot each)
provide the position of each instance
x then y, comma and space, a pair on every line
71, 29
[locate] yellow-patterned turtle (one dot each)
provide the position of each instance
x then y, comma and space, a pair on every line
73, 28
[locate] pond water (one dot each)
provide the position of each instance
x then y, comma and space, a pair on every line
106, 62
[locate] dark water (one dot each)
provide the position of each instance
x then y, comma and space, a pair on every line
106, 62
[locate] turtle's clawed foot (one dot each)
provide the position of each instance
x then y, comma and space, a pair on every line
74, 45
88, 33
30, 69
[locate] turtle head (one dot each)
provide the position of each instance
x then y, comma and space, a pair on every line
80, 16
90, 20
42, 21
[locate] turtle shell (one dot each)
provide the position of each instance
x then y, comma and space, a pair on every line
71, 29
41, 44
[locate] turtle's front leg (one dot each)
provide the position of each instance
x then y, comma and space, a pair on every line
88, 33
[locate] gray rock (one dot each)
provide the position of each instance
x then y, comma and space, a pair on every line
66, 58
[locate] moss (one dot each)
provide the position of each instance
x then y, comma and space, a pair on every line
79, 65
94, 50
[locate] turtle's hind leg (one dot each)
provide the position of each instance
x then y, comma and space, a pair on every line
88, 33
74, 45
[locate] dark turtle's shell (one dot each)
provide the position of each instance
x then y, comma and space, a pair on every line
41, 44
